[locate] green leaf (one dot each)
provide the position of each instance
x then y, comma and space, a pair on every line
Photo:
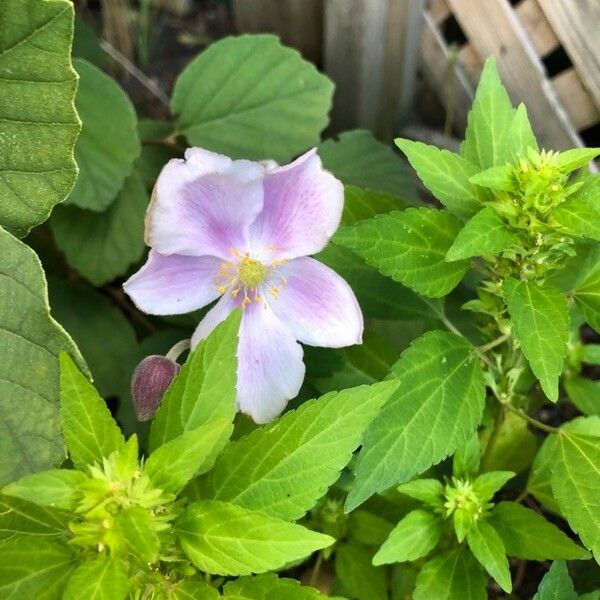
437, 407
497, 178
173, 464
556, 584
367, 528
527, 535
226, 539
520, 134
587, 291
576, 485
268, 587
89, 429
540, 318
108, 144
591, 354
102, 246
446, 175
486, 485
466, 459
86, 43
34, 568
453, 575
484, 235
284, 468
38, 122
204, 391
579, 217
487, 137
355, 571
191, 589
21, 518
487, 547
584, 394
56, 488
417, 534
360, 204
221, 107
134, 532
429, 491
573, 159
410, 247
103, 578
357, 158
30, 341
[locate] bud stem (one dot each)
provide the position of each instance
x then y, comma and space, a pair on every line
178, 349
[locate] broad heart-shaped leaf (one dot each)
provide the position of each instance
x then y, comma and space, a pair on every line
556, 584
30, 341
413, 537
38, 121
487, 547
251, 97
453, 575
34, 568
108, 144
284, 468
584, 394
487, 139
446, 175
268, 587
526, 534
20, 517
226, 539
410, 247
204, 391
173, 464
579, 217
55, 487
438, 405
540, 318
357, 158
90, 431
576, 485
356, 573
103, 578
360, 204
484, 235
102, 246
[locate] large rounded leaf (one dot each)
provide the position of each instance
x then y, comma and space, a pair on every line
38, 122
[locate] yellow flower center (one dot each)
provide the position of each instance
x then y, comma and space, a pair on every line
251, 272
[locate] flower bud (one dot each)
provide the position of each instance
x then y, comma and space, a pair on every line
149, 383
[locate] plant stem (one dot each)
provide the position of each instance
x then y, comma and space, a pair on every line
451, 327
493, 435
316, 570
494, 343
521, 413
178, 349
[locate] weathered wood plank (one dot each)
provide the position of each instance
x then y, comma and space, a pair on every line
438, 9
577, 100
537, 26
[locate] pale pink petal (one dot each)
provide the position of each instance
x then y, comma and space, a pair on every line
173, 284
270, 367
302, 209
317, 305
204, 205
218, 313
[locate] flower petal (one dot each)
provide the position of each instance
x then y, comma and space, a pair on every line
218, 313
270, 367
204, 205
302, 209
317, 305
173, 284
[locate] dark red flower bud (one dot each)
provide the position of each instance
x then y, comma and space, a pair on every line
149, 383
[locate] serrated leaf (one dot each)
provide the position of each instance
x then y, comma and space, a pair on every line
437, 406
355, 571
486, 485
34, 568
56, 487
102, 246
466, 459
587, 290
20, 517
521, 135
204, 391
360, 204
108, 144
556, 584
429, 491
487, 547
191, 589
89, 429
410, 247
133, 532
103, 578
446, 175
579, 217
572, 159
268, 587
173, 464
226, 539
483, 235
497, 178
30, 341
489, 122
540, 318
527, 535
221, 107
38, 122
413, 537
576, 485
584, 394
453, 575
358, 158
284, 468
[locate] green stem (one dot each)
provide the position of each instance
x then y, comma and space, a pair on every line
451, 327
316, 569
494, 343
493, 435
521, 413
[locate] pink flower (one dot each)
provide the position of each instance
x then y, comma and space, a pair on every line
242, 232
